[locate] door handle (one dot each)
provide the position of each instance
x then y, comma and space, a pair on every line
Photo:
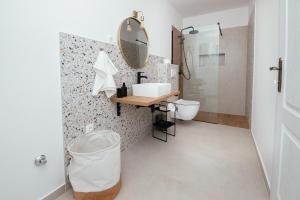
274, 68
279, 69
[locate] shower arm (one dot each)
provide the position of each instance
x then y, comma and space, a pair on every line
189, 27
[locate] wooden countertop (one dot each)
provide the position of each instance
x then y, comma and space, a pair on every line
143, 101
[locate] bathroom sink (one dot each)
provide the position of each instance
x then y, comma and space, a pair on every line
151, 89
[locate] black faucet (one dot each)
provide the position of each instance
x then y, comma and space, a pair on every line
139, 77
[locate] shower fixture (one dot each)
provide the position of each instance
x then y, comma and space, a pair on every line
192, 32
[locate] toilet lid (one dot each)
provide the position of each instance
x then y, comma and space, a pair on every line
187, 102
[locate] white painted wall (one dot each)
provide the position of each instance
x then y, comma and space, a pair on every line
30, 103
250, 61
264, 90
227, 18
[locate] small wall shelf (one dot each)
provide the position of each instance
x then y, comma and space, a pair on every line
155, 103
214, 54
141, 101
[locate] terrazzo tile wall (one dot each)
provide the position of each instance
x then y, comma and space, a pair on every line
80, 108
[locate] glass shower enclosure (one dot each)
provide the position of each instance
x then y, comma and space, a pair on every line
204, 60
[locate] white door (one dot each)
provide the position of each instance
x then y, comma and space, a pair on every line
30, 105
286, 165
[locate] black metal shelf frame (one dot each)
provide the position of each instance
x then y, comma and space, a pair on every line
163, 124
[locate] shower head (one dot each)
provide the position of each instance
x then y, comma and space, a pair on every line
192, 32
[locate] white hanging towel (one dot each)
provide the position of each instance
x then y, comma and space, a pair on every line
104, 80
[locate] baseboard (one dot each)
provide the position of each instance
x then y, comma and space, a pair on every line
261, 164
58, 192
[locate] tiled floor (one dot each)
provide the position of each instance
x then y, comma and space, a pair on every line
204, 161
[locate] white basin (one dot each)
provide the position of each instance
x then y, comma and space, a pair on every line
151, 89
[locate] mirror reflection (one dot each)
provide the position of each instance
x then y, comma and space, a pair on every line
133, 42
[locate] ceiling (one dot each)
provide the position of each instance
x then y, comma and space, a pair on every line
189, 8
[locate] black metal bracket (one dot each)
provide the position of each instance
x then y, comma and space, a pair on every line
152, 107
220, 30
118, 109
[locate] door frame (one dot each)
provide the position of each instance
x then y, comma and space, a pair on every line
176, 62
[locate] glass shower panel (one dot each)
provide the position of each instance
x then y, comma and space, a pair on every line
203, 59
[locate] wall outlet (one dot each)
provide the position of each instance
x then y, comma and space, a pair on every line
167, 61
89, 128
173, 73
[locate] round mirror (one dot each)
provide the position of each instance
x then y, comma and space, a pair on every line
133, 42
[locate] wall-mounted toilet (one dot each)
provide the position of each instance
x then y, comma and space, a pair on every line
186, 110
